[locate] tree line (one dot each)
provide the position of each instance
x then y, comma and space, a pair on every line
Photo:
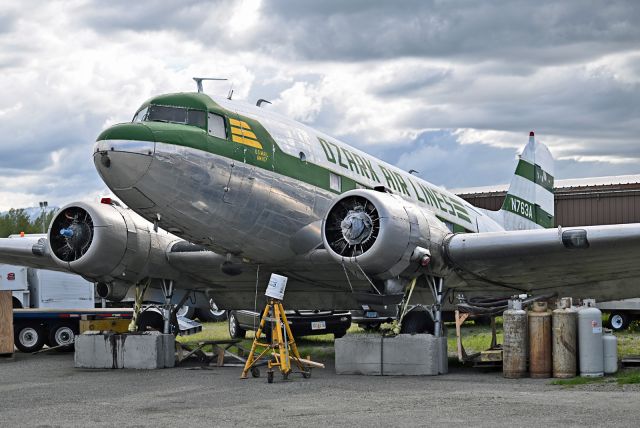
15, 221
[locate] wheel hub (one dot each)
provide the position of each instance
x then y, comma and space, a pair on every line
28, 337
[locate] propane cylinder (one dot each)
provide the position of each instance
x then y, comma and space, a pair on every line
514, 347
564, 339
610, 344
590, 346
539, 341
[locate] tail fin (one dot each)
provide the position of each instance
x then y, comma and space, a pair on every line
529, 202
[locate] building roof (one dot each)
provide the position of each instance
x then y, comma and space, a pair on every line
558, 185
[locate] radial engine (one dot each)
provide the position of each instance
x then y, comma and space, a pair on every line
382, 235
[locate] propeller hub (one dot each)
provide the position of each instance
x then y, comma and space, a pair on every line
356, 226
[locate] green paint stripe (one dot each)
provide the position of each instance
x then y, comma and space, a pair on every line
456, 227
527, 210
535, 174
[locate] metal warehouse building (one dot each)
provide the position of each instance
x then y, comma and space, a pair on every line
578, 202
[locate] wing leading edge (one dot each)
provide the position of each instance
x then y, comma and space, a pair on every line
591, 261
30, 252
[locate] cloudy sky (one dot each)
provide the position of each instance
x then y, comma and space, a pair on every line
448, 88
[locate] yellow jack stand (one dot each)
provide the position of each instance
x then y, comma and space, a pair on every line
281, 342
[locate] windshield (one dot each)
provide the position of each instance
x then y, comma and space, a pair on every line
176, 115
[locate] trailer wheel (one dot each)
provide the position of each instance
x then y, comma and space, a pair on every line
62, 334
618, 321
29, 337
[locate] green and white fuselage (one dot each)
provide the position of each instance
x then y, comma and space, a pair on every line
248, 189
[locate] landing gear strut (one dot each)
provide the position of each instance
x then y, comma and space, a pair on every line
436, 284
167, 292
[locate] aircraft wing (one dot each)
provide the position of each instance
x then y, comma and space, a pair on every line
592, 261
29, 252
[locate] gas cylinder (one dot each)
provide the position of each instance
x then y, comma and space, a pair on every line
564, 330
610, 344
514, 347
590, 346
539, 340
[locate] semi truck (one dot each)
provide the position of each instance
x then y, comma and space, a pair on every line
48, 306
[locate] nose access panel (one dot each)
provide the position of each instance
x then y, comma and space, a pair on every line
122, 163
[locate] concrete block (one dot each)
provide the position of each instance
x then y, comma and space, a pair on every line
148, 350
402, 355
97, 350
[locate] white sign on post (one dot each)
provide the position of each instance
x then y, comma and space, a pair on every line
277, 284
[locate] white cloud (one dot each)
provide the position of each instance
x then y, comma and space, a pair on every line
378, 75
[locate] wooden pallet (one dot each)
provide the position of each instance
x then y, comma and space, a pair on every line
631, 361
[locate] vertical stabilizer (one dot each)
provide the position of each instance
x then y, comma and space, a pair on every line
529, 202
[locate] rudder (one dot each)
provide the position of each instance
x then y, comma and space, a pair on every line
529, 202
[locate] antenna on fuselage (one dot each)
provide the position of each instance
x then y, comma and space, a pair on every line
230, 92
412, 171
262, 100
200, 79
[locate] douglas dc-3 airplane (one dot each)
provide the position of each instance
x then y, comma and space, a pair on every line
245, 192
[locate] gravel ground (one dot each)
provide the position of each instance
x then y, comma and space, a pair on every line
45, 390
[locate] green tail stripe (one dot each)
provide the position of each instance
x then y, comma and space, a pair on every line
527, 210
535, 174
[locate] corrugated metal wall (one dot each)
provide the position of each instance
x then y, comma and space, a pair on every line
581, 206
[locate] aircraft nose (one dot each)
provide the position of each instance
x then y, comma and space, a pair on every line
123, 162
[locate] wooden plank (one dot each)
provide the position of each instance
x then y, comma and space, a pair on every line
6, 322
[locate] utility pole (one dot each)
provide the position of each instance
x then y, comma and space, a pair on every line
43, 207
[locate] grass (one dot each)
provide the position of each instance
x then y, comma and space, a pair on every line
574, 381
318, 347
627, 377
623, 377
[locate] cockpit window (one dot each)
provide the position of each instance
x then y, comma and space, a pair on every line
177, 115
140, 115
167, 114
216, 126
196, 118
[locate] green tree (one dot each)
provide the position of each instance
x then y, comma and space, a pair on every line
15, 221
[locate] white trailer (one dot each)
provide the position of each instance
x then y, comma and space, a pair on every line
39, 288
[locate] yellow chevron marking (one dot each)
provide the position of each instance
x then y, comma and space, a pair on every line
243, 132
246, 141
239, 123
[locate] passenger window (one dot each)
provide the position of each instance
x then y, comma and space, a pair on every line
216, 126
335, 183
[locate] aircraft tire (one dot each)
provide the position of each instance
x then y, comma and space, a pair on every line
416, 322
339, 334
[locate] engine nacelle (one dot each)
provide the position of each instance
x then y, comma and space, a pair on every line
105, 243
383, 234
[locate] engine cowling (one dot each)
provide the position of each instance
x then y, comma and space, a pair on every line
383, 234
102, 242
